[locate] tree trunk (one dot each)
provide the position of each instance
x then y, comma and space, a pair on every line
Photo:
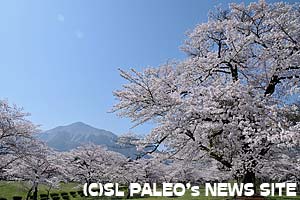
29, 193
48, 192
249, 177
35, 193
128, 192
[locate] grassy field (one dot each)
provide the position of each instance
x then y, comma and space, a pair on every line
10, 189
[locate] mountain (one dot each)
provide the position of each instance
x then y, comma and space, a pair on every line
65, 138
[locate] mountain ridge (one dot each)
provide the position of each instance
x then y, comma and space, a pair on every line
68, 137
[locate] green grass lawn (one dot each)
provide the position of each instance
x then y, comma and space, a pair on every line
10, 189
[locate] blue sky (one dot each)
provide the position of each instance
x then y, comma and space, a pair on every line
59, 58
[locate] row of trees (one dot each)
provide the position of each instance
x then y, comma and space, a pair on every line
25, 158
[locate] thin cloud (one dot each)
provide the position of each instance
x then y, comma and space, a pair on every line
60, 17
79, 34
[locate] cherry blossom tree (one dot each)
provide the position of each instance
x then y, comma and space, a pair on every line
92, 163
153, 169
41, 165
227, 99
16, 132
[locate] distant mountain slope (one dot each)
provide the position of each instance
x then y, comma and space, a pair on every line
65, 138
